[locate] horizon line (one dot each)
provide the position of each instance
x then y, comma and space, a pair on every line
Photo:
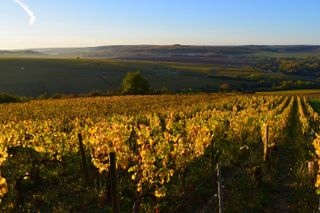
176, 44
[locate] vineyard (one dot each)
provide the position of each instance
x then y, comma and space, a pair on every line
55, 154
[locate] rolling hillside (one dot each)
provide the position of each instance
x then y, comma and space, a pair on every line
176, 67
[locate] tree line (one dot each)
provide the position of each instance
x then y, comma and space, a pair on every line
297, 66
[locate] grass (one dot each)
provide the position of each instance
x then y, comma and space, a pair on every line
315, 103
291, 92
287, 55
36, 76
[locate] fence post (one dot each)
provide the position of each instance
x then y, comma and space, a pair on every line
114, 190
219, 188
212, 156
265, 143
311, 167
83, 158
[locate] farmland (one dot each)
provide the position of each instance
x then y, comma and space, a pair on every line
38, 76
159, 106
175, 68
308, 92
167, 148
164, 153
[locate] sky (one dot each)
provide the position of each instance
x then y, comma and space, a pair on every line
81, 23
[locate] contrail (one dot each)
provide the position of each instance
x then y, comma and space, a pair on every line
26, 8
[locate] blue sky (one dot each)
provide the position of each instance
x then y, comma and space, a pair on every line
71, 23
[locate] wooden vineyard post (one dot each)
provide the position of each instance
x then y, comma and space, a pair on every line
311, 167
212, 156
219, 188
83, 158
114, 188
265, 143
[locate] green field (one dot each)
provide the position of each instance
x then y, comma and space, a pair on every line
36, 76
292, 92
287, 55
315, 103
32, 77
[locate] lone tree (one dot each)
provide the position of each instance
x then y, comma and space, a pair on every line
134, 83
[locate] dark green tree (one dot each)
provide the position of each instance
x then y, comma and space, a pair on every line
134, 83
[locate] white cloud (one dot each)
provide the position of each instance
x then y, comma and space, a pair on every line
26, 8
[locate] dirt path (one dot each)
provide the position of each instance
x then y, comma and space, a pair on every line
291, 154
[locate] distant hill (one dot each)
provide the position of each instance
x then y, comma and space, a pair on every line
118, 51
36, 76
81, 70
20, 53
237, 55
